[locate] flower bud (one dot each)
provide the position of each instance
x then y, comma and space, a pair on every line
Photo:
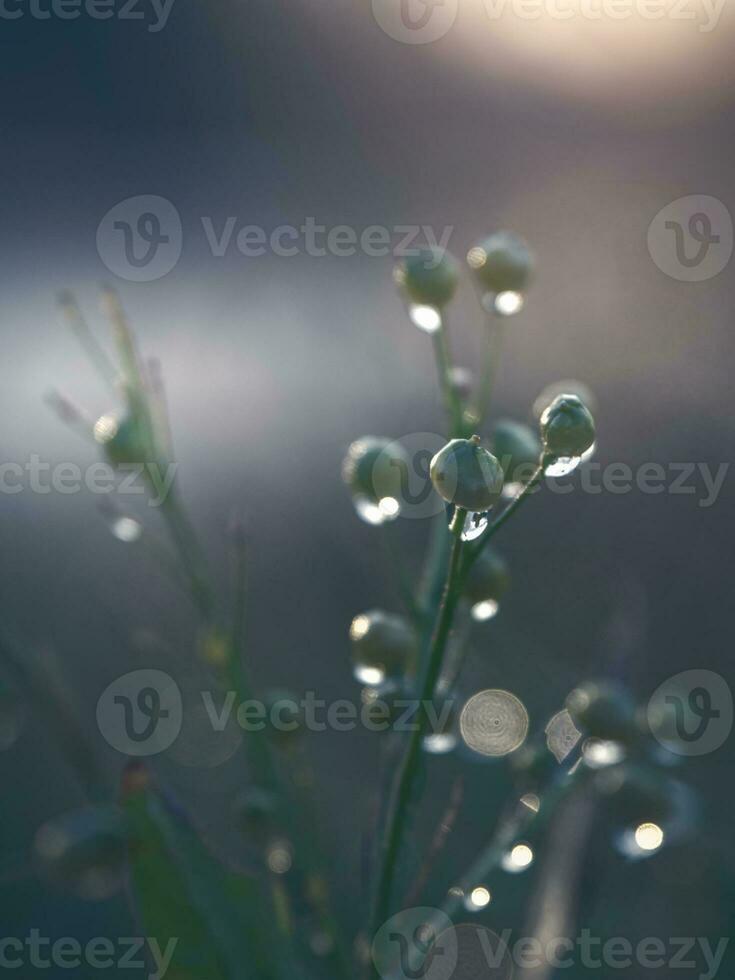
567, 427
383, 646
488, 578
121, 439
84, 850
517, 448
373, 470
501, 263
603, 710
465, 474
430, 277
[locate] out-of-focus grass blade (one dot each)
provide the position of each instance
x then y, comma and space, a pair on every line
181, 890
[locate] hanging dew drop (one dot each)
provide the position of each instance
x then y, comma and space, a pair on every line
126, 529
481, 612
369, 675
563, 465
474, 525
439, 744
426, 318
375, 514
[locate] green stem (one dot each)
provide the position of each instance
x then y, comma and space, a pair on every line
400, 806
452, 401
493, 344
190, 553
528, 488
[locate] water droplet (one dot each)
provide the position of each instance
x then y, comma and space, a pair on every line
378, 513
531, 801
368, 674
478, 898
474, 524
589, 453
426, 318
508, 303
440, 743
599, 753
279, 857
562, 735
126, 529
517, 859
487, 609
640, 842
562, 465
494, 723
511, 490
105, 428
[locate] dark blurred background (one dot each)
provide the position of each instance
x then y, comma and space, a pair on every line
574, 134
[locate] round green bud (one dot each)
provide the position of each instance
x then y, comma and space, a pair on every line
430, 277
465, 474
121, 439
488, 577
501, 263
255, 812
84, 850
517, 448
604, 710
567, 427
373, 468
383, 646
284, 721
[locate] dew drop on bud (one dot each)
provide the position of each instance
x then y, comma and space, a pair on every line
440, 743
126, 529
507, 303
375, 514
426, 318
562, 465
482, 611
474, 525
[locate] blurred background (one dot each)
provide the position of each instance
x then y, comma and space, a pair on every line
573, 131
